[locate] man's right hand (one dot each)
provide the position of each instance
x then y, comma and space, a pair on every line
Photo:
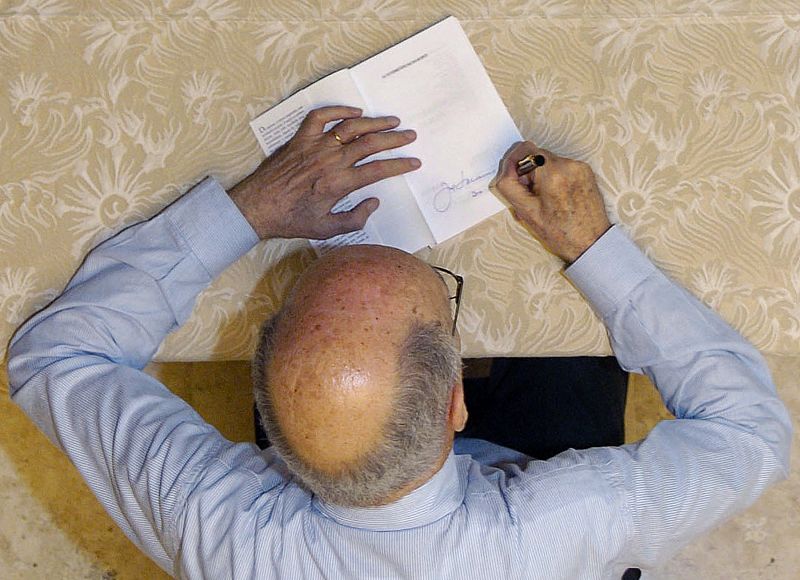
559, 202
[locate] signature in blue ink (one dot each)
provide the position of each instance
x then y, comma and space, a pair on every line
443, 197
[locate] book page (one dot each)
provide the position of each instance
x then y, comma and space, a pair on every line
436, 84
276, 126
397, 222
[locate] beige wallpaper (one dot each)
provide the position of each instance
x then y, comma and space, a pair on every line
688, 110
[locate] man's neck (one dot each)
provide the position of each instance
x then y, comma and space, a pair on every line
425, 478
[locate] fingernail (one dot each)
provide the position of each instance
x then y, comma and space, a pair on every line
410, 133
393, 121
416, 163
372, 204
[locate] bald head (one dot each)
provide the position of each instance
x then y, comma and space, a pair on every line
358, 379
338, 343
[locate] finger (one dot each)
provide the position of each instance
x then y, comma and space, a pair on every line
509, 164
372, 143
316, 119
355, 219
508, 182
508, 167
375, 171
352, 129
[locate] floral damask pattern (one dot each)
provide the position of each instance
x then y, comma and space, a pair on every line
688, 110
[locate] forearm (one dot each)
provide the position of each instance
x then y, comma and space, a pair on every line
74, 367
732, 434
136, 287
702, 367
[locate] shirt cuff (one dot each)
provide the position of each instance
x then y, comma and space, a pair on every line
216, 231
609, 270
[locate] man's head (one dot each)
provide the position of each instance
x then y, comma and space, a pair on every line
358, 378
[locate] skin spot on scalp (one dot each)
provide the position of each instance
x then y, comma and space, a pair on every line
349, 362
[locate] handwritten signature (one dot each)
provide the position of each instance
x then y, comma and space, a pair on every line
443, 197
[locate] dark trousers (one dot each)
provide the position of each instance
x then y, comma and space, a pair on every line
543, 406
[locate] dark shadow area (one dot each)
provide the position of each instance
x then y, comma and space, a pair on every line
543, 406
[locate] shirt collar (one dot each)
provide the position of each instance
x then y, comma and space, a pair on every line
436, 498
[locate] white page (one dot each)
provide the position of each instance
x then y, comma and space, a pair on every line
397, 222
436, 84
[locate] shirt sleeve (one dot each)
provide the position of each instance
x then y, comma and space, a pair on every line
75, 367
732, 434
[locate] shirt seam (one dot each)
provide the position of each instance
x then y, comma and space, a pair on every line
181, 501
185, 244
625, 300
242, 469
557, 471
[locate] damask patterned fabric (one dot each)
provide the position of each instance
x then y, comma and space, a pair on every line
688, 110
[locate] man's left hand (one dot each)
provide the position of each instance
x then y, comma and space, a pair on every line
292, 192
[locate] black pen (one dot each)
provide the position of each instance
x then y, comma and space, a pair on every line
529, 163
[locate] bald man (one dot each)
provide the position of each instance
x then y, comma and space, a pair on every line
358, 379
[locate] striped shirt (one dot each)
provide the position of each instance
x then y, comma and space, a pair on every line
205, 507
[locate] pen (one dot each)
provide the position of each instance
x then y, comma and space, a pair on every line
529, 163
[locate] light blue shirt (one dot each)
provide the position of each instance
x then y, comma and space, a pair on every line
204, 507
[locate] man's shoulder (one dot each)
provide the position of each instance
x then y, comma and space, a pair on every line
568, 479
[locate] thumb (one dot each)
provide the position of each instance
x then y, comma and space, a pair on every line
507, 182
508, 167
355, 219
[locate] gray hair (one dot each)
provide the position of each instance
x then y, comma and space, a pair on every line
414, 437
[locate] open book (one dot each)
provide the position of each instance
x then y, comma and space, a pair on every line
435, 83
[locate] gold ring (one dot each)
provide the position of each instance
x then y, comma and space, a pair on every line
336, 136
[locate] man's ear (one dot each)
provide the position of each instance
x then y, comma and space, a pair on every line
458, 408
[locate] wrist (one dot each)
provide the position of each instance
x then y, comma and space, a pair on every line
583, 248
246, 199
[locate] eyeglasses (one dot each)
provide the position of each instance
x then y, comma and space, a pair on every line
455, 284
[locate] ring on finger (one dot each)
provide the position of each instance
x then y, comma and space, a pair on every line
342, 141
